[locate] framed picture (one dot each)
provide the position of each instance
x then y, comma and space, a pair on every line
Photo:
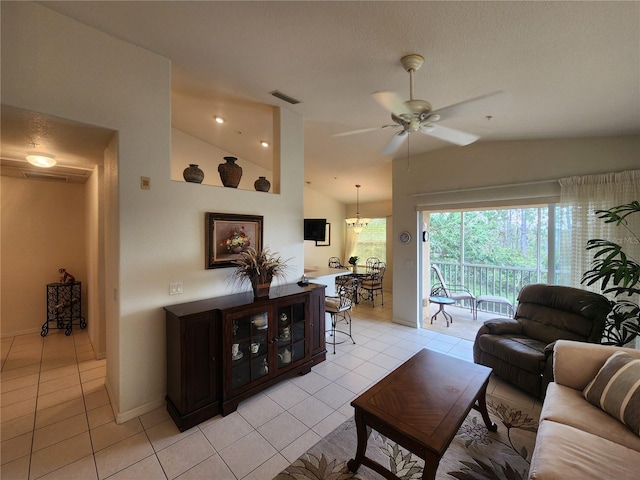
327, 237
227, 235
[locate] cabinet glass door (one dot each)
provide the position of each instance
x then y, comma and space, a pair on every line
292, 330
249, 348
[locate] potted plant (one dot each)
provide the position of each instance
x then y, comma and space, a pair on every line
353, 261
619, 275
258, 268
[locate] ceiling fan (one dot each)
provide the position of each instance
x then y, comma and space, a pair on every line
416, 115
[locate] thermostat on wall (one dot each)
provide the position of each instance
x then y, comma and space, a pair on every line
405, 237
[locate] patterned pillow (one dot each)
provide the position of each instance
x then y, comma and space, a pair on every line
616, 389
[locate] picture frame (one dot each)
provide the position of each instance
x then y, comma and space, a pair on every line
228, 234
327, 237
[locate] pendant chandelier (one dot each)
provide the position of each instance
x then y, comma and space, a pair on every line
357, 223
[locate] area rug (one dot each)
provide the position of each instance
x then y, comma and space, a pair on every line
475, 453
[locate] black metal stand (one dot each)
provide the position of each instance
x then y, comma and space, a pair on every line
64, 306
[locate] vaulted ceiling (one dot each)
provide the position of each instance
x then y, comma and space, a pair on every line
572, 69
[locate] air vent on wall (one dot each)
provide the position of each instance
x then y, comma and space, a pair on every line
46, 176
284, 97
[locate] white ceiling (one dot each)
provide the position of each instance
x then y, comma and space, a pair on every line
573, 69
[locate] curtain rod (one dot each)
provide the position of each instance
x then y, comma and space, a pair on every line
490, 187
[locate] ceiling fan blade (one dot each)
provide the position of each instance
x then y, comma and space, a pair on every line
450, 135
395, 142
484, 104
392, 102
362, 130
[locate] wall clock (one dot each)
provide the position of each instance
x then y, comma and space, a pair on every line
405, 237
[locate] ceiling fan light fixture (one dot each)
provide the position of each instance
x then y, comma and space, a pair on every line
42, 160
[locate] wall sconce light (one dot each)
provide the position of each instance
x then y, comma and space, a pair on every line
264, 143
219, 119
43, 160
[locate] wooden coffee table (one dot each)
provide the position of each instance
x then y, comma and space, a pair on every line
421, 406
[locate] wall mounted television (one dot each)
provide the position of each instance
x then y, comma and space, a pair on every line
315, 229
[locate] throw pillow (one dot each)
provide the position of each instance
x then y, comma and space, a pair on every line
616, 389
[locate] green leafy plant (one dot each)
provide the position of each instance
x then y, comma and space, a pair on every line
618, 274
353, 260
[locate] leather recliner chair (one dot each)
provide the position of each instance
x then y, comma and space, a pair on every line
520, 349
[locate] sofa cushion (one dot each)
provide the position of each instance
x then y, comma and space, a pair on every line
567, 405
616, 389
564, 452
527, 353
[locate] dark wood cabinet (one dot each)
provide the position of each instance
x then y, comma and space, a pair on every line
193, 372
223, 350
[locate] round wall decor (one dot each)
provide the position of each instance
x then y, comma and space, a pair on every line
405, 237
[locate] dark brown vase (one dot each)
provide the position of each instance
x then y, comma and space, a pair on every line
230, 173
260, 290
262, 184
193, 174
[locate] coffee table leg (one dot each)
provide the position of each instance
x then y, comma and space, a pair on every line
431, 462
361, 430
482, 408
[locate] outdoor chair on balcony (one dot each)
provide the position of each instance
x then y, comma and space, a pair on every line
459, 293
371, 284
520, 349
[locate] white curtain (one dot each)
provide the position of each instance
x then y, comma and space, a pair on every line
350, 244
579, 199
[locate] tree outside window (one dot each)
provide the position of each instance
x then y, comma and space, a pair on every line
372, 241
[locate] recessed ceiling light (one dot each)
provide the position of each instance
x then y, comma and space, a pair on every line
219, 120
43, 160
264, 143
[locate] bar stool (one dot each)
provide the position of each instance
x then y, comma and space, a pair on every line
340, 310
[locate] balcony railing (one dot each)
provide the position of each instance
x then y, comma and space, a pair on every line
490, 280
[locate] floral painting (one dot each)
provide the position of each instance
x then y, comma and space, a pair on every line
227, 235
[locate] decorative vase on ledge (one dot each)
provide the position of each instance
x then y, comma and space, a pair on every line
230, 173
262, 184
193, 174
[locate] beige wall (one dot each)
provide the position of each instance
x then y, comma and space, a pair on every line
317, 205
94, 241
480, 166
43, 229
57, 66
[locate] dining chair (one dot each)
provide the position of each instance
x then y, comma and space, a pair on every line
371, 285
335, 262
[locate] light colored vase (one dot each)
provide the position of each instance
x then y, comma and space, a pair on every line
230, 172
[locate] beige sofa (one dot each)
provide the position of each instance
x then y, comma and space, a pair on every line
577, 440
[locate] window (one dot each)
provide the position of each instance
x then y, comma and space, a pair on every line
372, 241
492, 252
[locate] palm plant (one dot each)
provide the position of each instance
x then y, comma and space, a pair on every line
619, 275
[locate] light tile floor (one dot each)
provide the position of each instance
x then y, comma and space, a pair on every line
57, 421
